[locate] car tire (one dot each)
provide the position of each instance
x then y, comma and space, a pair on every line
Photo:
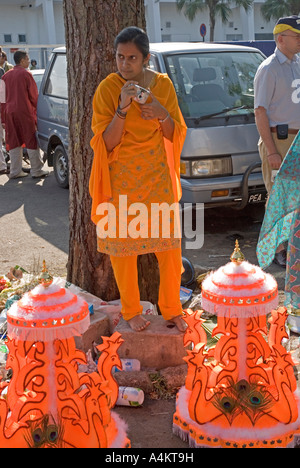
61, 166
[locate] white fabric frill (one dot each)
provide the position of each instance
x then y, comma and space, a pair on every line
239, 290
232, 433
47, 314
48, 334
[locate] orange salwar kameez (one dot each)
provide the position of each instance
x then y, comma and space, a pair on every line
144, 167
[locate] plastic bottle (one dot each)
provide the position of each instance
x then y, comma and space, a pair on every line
3, 358
130, 396
286, 341
129, 365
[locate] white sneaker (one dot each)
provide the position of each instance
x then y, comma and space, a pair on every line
40, 174
21, 174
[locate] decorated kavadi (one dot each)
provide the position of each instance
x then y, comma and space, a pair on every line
48, 403
242, 392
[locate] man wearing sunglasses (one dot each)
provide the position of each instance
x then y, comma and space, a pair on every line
277, 109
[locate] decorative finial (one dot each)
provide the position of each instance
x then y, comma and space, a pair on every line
237, 256
45, 278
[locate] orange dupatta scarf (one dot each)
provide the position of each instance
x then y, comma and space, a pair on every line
105, 103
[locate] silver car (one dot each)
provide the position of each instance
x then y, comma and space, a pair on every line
52, 116
220, 164
38, 76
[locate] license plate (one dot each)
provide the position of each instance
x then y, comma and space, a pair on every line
257, 197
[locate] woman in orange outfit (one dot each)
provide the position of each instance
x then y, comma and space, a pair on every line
136, 167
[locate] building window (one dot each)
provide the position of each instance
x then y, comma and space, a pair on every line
7, 38
22, 38
264, 37
234, 37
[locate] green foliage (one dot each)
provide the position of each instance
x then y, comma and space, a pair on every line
221, 8
273, 9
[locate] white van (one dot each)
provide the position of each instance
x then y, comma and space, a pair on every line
220, 164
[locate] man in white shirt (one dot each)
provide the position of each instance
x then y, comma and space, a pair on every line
277, 102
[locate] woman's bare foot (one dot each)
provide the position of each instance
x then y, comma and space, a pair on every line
138, 323
180, 323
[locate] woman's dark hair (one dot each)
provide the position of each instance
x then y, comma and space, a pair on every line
135, 35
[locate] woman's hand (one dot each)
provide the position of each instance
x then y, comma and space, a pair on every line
153, 110
128, 92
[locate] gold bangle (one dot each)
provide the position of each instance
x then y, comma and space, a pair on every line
163, 120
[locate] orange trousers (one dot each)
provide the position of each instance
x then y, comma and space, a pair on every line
126, 275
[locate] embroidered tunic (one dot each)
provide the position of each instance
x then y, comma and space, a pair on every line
138, 176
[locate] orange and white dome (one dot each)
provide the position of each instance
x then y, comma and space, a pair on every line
46, 313
239, 289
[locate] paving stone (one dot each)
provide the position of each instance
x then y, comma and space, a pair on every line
160, 345
99, 326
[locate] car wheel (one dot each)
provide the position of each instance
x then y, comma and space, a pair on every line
61, 166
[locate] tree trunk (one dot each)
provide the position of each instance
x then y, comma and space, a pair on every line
91, 26
212, 20
295, 7
212, 29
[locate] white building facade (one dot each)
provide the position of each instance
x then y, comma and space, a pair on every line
31, 22
37, 25
32, 25
166, 23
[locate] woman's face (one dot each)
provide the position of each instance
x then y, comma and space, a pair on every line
130, 61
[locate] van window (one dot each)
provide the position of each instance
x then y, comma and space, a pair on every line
214, 84
57, 83
153, 65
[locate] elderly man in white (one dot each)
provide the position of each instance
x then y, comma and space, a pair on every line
277, 112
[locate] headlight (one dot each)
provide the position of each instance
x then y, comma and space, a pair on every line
211, 167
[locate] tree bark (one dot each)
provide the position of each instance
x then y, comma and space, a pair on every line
91, 27
212, 22
212, 4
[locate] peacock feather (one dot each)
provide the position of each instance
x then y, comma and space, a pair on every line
226, 401
44, 433
243, 397
256, 401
